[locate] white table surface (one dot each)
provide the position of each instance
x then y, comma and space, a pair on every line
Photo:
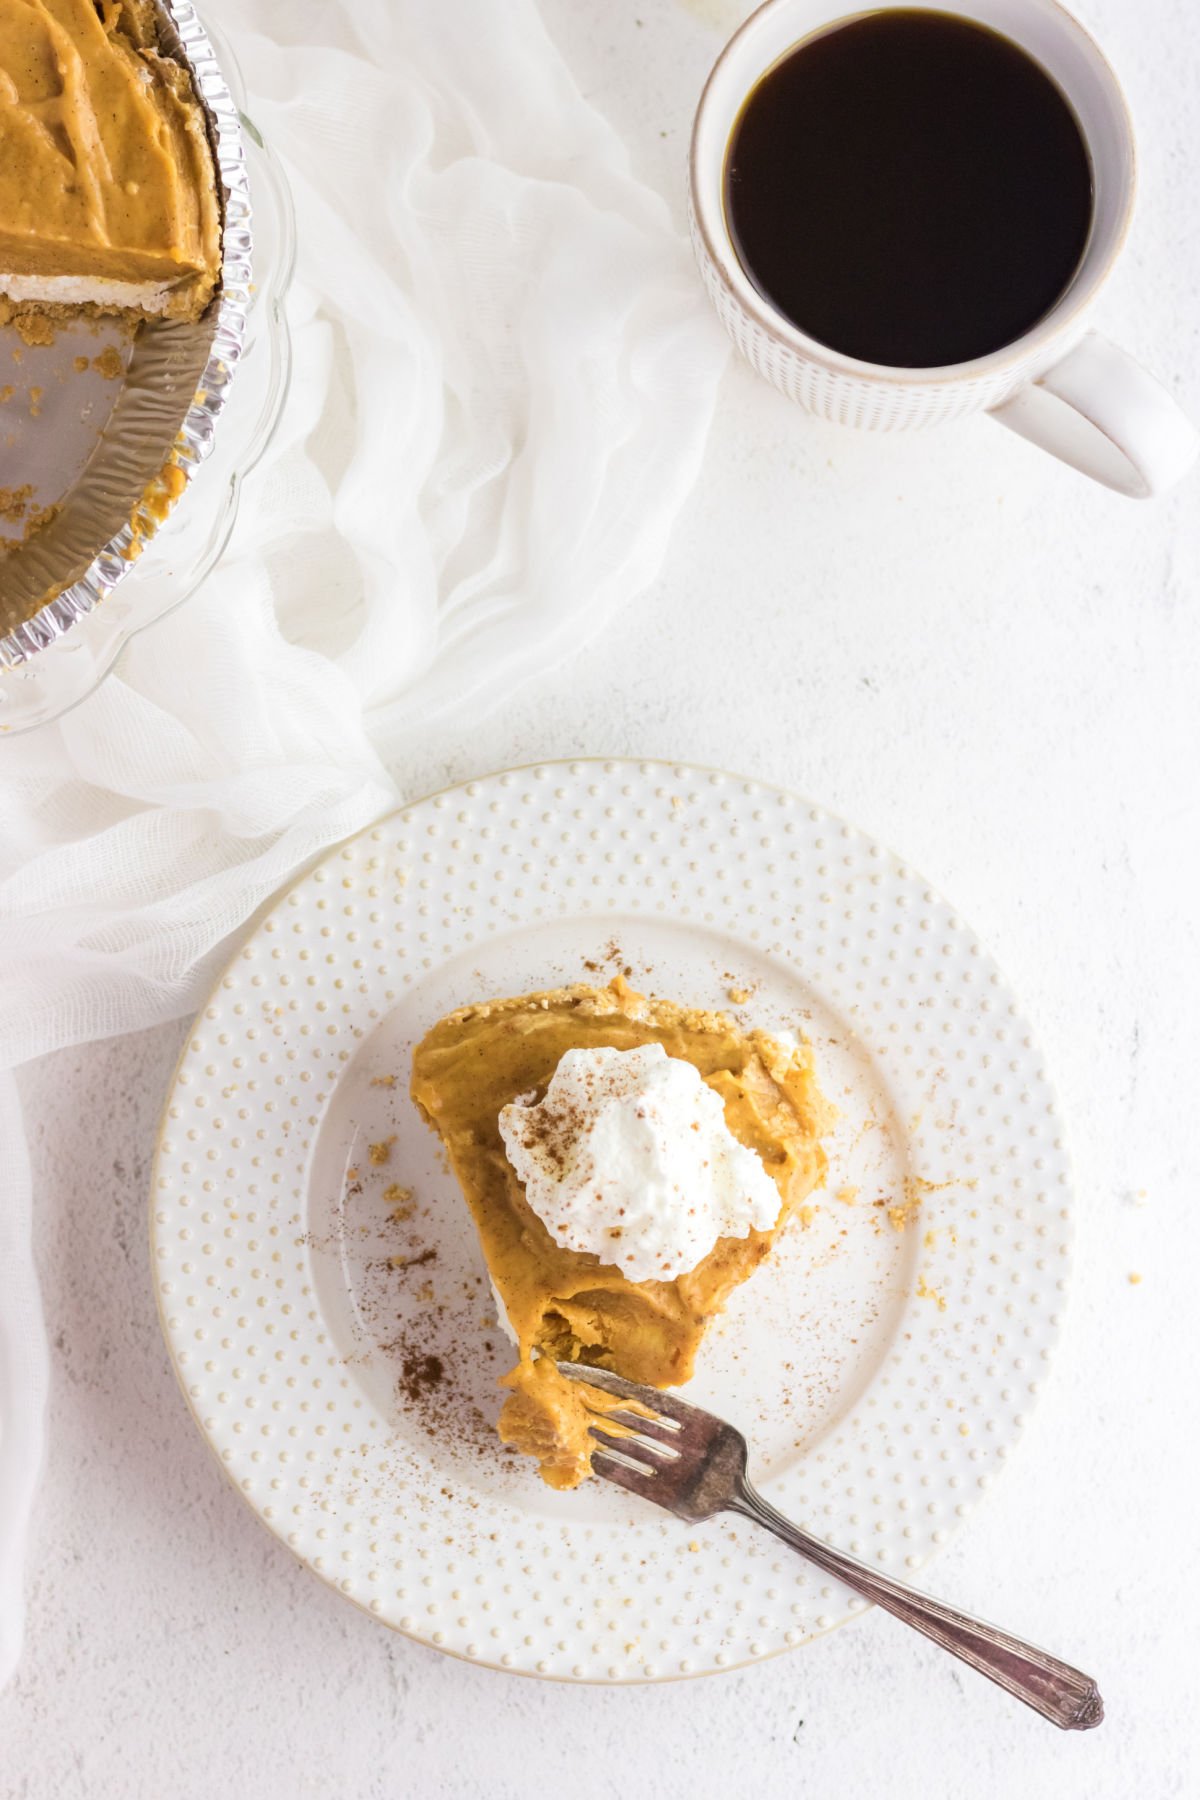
994, 668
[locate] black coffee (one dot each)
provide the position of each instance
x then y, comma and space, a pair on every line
909, 188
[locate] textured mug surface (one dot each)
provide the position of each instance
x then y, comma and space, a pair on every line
842, 388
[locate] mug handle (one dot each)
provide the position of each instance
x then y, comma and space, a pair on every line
1101, 412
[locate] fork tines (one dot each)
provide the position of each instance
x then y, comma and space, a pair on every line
639, 1440
663, 1407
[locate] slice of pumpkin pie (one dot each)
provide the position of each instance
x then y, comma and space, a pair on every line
108, 190
628, 1162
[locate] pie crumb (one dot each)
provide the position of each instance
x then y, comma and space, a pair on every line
739, 995
110, 363
925, 1292
905, 1211
380, 1153
384, 1081
847, 1195
34, 329
1134, 1279
38, 516
400, 1199
15, 501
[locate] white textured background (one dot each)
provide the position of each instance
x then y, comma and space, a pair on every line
990, 666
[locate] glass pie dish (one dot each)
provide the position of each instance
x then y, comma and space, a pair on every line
57, 658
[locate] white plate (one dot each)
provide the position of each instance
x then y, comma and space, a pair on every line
881, 1375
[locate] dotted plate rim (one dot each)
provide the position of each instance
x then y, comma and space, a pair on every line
181, 1289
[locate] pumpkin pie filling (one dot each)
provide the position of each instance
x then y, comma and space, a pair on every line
564, 1304
108, 196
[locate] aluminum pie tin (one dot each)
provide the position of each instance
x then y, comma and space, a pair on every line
114, 443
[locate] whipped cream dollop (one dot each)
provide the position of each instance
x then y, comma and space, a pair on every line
629, 1157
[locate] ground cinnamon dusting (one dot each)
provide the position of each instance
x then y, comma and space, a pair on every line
444, 1375
437, 1399
611, 953
420, 1373
413, 1262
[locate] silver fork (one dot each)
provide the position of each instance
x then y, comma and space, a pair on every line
694, 1465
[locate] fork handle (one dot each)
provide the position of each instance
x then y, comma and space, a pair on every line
1060, 1693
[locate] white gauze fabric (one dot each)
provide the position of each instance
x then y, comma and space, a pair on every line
504, 371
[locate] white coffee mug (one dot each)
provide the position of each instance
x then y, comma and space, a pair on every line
1060, 385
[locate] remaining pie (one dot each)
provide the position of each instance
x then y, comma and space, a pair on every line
108, 192
563, 1304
